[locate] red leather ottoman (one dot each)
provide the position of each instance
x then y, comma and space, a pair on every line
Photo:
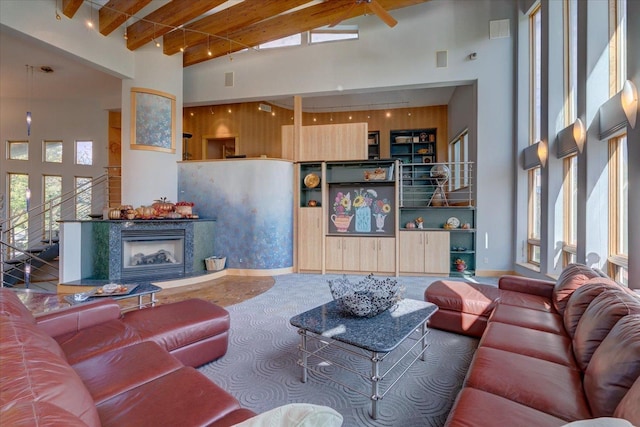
194, 331
464, 307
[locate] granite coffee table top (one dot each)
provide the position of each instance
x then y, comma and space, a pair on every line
381, 333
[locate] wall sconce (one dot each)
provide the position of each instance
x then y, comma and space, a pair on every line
619, 111
629, 100
543, 153
579, 134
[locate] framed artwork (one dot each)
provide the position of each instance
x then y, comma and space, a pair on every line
153, 120
362, 210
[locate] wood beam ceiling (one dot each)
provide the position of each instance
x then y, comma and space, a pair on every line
244, 25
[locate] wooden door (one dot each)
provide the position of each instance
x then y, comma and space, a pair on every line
386, 254
412, 252
333, 253
436, 252
310, 239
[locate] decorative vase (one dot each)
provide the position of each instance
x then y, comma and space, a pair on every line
379, 222
461, 267
342, 222
363, 219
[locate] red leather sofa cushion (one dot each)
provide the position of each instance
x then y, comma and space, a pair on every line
580, 300
40, 414
572, 277
529, 342
614, 368
602, 314
528, 318
119, 370
478, 408
628, 407
546, 386
185, 396
11, 306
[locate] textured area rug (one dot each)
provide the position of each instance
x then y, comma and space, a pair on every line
261, 371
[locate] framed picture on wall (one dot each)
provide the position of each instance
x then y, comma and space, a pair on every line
153, 120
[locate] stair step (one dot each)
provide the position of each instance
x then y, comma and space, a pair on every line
53, 240
36, 249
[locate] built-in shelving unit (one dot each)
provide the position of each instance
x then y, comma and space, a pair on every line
373, 145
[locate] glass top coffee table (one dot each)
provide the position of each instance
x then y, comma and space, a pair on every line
138, 290
371, 339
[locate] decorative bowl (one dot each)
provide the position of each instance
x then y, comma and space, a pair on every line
311, 180
367, 298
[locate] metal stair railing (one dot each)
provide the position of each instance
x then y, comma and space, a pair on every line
39, 224
26, 268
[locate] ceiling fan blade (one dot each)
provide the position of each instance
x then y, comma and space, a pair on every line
375, 7
343, 16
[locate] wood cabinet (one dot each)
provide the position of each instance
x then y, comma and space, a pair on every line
310, 239
361, 254
377, 255
424, 252
342, 253
347, 141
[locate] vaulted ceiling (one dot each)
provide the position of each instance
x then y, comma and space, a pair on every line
208, 29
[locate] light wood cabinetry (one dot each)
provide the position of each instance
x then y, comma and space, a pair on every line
377, 255
310, 239
343, 253
424, 252
327, 142
361, 254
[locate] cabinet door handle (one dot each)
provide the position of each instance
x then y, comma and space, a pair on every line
339, 243
426, 238
379, 245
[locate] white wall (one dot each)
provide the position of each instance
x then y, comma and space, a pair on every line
398, 57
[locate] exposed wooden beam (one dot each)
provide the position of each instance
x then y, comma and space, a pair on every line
70, 7
115, 13
282, 26
168, 17
226, 21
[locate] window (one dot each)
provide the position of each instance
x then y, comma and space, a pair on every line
535, 110
83, 197
459, 155
571, 60
570, 192
84, 153
19, 199
618, 210
331, 34
533, 242
18, 150
52, 151
52, 193
294, 40
536, 74
618, 259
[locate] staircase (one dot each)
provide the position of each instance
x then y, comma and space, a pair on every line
29, 240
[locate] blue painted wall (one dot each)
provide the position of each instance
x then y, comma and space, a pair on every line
252, 203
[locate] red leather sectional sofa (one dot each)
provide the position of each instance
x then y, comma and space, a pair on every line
549, 353
92, 366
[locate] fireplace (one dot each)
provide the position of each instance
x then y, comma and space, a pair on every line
157, 253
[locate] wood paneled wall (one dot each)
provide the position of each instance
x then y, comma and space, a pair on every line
258, 132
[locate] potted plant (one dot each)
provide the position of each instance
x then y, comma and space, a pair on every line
460, 265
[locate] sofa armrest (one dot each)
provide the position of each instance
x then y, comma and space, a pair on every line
78, 317
543, 288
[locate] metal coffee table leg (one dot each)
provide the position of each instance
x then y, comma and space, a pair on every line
375, 383
303, 353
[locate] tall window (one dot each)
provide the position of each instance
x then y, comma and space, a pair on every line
536, 73
533, 242
52, 185
19, 196
571, 60
83, 197
459, 155
618, 154
535, 107
570, 191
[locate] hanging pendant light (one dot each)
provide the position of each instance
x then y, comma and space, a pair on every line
29, 84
